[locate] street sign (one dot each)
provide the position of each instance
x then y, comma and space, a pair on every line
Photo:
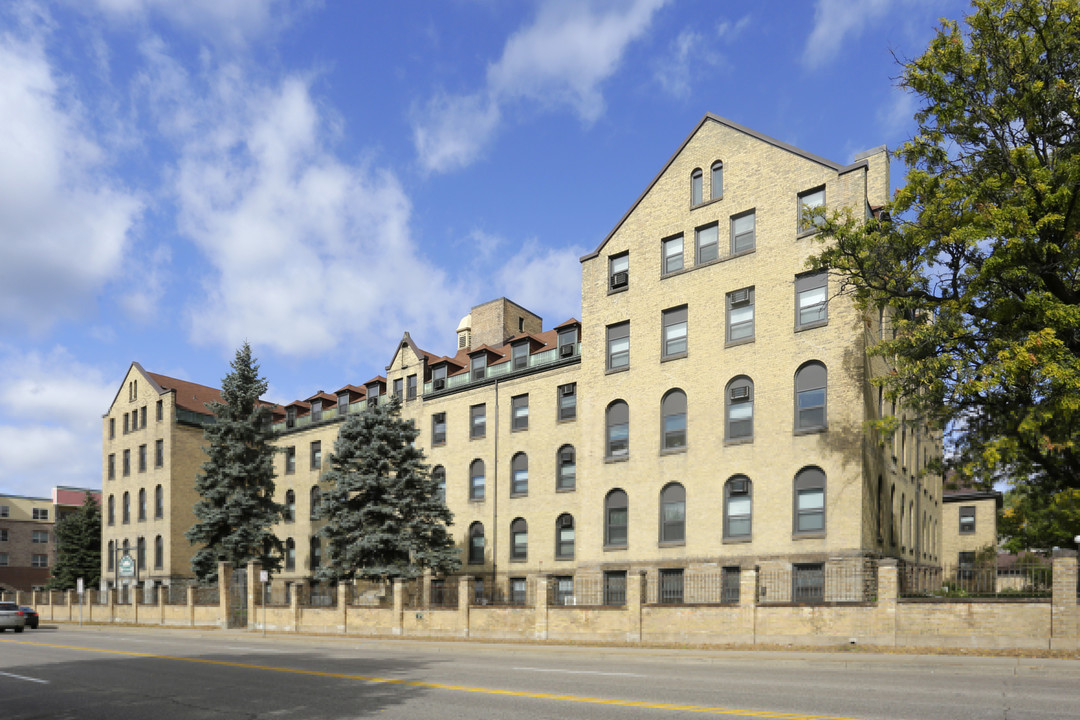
126, 566
264, 576
79, 585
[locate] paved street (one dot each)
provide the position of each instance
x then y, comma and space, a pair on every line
71, 672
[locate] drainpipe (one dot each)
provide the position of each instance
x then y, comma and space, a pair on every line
495, 495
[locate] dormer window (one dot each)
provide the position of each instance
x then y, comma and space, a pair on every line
290, 417
343, 403
567, 341
398, 384
619, 271
520, 356
479, 367
316, 411
438, 378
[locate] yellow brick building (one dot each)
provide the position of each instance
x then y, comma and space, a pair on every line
708, 410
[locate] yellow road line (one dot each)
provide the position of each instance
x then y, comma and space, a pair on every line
456, 688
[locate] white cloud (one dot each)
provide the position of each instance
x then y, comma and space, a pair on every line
544, 280
834, 21
235, 22
141, 301
65, 224
50, 434
896, 117
308, 253
560, 60
692, 56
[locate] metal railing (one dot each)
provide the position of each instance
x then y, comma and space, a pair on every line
818, 583
536, 360
367, 593
207, 595
588, 591
1030, 581
512, 592
703, 587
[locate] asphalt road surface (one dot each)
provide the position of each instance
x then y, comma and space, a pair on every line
64, 671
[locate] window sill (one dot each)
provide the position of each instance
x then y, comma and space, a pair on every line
565, 490
740, 441
514, 430
737, 540
621, 458
807, 536
612, 371
563, 421
811, 431
478, 437
476, 500
705, 203
614, 548
673, 273
811, 326
673, 451
438, 444
616, 291
519, 495
518, 560
564, 558
671, 543
806, 233
743, 341
676, 356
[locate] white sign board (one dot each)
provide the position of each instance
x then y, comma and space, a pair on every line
126, 566
79, 585
264, 576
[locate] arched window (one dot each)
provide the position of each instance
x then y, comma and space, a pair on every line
316, 499
810, 501
881, 515
519, 474
289, 513
159, 502
566, 462
112, 510
438, 474
695, 187
739, 419
316, 552
290, 555
716, 181
476, 480
673, 410
618, 430
903, 523
127, 508
810, 383
140, 553
159, 553
519, 540
142, 503
738, 507
892, 516
616, 518
476, 544
673, 513
112, 553
564, 537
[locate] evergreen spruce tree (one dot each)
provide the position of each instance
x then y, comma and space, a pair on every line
385, 515
78, 547
237, 510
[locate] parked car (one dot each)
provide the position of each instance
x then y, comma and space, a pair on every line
31, 616
11, 617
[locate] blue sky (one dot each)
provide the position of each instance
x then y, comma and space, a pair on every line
318, 177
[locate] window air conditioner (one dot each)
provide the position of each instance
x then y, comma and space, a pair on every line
740, 296
620, 279
568, 389
565, 522
740, 487
438, 383
566, 350
740, 393
373, 401
569, 600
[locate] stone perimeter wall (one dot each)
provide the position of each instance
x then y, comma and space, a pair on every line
889, 621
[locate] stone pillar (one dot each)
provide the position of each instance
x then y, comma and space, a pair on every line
112, 604
425, 590
343, 607
1065, 604
191, 604
541, 606
748, 602
161, 591
69, 597
294, 605
224, 578
256, 593
399, 606
635, 584
464, 583
888, 596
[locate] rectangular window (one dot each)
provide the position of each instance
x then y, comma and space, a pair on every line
674, 332
519, 417
811, 207
742, 233
112, 428
618, 346
142, 416
478, 421
290, 460
5, 511
159, 453
562, 590
39, 561
3, 559
567, 401
438, 429
673, 254
399, 386
410, 387
808, 582
619, 271
519, 356
740, 315
316, 455
615, 587
707, 242
479, 367
810, 508
730, 578
160, 410
40, 513
290, 417
671, 587
41, 537
126, 423
811, 300
316, 411
112, 466
567, 342
142, 458
518, 591
127, 463
3, 535
967, 519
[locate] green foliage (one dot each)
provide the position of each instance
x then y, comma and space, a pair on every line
236, 511
980, 265
1033, 519
385, 516
78, 548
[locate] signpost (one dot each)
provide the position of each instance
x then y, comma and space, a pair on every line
79, 587
264, 578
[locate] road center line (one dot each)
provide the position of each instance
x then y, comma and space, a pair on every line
579, 672
23, 677
455, 688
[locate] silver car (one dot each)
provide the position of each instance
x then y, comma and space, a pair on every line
11, 617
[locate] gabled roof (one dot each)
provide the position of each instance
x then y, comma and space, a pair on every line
709, 117
324, 396
568, 323
189, 396
406, 339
